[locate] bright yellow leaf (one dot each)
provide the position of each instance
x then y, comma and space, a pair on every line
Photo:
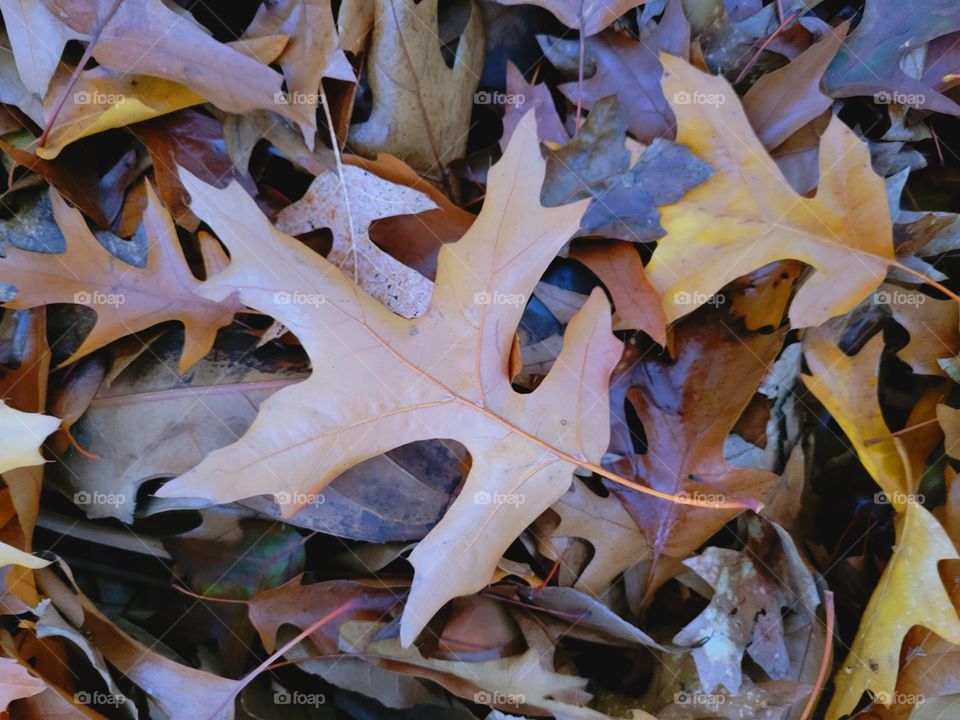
746, 215
847, 388
910, 593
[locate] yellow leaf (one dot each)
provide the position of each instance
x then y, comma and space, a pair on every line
847, 388
910, 593
746, 215
103, 100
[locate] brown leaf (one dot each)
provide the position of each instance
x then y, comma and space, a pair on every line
635, 302
687, 408
782, 102
587, 16
631, 70
126, 298
421, 107
74, 174
194, 141
137, 40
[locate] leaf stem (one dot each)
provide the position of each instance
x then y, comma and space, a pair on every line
926, 280
249, 677
898, 433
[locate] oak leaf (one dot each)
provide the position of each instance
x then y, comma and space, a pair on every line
847, 388
127, 299
870, 61
687, 408
630, 69
136, 40
910, 592
421, 106
347, 205
744, 614
380, 380
746, 215
782, 102
625, 194
21, 434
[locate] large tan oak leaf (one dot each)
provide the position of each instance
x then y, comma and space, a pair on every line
381, 380
746, 215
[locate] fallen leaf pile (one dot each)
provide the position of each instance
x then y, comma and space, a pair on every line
480, 359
